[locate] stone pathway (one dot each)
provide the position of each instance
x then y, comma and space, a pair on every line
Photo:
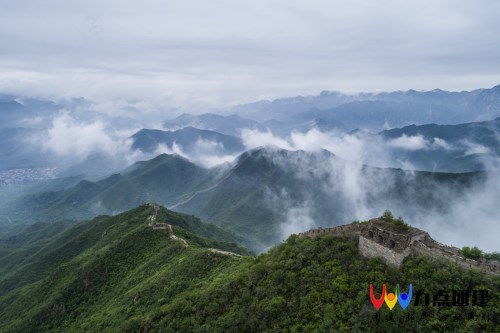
151, 221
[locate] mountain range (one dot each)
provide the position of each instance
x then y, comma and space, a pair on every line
190, 140
147, 229
120, 274
256, 198
373, 110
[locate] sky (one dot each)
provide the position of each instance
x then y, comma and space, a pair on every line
204, 54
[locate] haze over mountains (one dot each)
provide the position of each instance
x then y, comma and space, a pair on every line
249, 166
269, 169
78, 227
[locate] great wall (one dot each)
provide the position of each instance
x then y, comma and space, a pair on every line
378, 238
151, 222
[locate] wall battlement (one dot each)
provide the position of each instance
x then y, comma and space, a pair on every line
393, 244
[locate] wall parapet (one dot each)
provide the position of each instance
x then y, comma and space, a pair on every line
377, 239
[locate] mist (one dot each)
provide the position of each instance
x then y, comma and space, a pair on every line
347, 178
350, 176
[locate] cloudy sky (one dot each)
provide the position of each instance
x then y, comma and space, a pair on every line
222, 52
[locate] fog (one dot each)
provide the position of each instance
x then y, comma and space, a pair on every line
470, 218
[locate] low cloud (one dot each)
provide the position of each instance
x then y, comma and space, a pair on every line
205, 153
450, 213
69, 138
409, 142
474, 148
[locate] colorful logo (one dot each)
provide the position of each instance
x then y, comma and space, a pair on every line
391, 299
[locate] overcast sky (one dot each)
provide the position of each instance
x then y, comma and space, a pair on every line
224, 52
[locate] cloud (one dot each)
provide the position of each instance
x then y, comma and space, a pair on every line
298, 219
441, 143
473, 218
409, 142
253, 138
362, 147
205, 153
474, 148
67, 137
349, 191
207, 55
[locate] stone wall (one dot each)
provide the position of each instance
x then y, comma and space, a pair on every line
368, 248
485, 266
341, 230
377, 241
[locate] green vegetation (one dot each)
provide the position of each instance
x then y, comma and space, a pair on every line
493, 255
114, 274
398, 224
476, 253
251, 200
472, 252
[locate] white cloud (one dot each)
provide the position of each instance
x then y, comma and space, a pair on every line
207, 54
356, 187
441, 143
409, 142
298, 219
253, 138
67, 137
360, 148
474, 148
205, 153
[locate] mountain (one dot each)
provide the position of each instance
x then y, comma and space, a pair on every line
165, 179
374, 110
112, 252
266, 195
271, 193
229, 125
378, 114
451, 148
190, 139
18, 149
119, 274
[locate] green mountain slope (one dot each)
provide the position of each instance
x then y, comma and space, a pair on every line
116, 274
111, 258
263, 198
165, 179
268, 188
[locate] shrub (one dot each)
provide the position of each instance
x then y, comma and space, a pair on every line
472, 252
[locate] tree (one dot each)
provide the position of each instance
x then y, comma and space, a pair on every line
472, 252
387, 216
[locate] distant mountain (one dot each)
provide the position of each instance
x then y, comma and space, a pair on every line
165, 179
19, 148
190, 139
294, 107
118, 274
272, 191
483, 132
379, 114
230, 125
452, 148
266, 195
374, 110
